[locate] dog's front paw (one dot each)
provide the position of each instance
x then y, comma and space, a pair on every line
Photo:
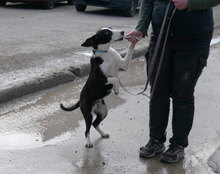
89, 145
105, 136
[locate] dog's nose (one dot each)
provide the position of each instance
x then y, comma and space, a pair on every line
122, 33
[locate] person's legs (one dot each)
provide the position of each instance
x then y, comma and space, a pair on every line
160, 101
187, 67
159, 105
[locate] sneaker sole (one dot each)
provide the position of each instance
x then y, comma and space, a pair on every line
175, 161
143, 155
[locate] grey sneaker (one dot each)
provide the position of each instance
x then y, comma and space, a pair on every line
151, 149
173, 154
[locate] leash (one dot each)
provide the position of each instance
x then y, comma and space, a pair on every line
156, 50
125, 88
162, 54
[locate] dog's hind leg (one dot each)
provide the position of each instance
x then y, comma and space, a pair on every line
96, 123
88, 119
87, 134
101, 111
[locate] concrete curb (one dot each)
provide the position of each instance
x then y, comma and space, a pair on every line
35, 84
52, 79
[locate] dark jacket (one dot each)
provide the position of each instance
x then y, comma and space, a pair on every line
202, 4
198, 13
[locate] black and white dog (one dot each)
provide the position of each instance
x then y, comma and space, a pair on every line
105, 65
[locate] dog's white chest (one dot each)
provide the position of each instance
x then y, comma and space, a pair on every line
105, 67
109, 67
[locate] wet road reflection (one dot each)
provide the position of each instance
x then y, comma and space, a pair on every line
126, 124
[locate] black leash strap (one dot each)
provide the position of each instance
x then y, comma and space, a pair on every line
156, 50
162, 55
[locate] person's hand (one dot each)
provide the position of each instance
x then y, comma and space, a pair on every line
134, 35
180, 4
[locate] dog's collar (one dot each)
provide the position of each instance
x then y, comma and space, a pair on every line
99, 51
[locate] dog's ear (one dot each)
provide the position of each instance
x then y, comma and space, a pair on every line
89, 42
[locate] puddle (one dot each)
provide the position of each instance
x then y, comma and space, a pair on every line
60, 121
40, 113
37, 119
29, 141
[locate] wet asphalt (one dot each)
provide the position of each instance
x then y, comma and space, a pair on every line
49, 140
63, 133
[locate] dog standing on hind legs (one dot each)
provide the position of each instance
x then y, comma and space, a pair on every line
103, 78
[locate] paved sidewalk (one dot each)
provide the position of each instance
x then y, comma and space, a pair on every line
214, 161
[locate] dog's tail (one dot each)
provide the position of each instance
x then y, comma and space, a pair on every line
70, 108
